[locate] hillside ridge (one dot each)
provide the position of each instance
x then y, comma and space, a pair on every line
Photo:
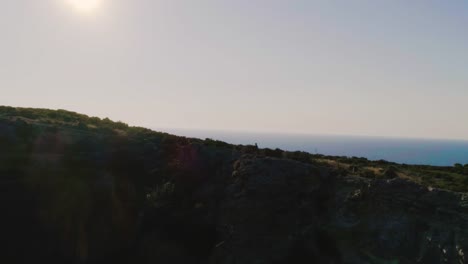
79, 189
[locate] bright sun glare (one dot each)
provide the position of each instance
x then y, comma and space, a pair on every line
85, 6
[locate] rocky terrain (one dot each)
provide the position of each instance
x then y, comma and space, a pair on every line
81, 190
315, 216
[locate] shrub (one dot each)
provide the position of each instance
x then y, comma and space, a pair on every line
391, 172
216, 143
367, 174
276, 153
298, 156
250, 149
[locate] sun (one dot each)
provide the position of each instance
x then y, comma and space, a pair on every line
85, 6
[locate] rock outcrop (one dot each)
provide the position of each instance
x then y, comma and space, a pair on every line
272, 213
90, 195
279, 211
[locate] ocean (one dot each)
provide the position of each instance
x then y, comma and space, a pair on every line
400, 150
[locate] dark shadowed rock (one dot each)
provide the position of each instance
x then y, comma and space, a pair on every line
103, 192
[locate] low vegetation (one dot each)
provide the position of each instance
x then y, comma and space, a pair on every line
31, 122
84, 187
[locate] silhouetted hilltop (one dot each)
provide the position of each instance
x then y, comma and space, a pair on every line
79, 189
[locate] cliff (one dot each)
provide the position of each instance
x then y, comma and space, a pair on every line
75, 189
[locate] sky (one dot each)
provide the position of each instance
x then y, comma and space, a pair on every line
365, 67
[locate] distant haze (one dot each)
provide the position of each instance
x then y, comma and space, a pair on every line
380, 68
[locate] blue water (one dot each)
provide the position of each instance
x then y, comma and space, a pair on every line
408, 151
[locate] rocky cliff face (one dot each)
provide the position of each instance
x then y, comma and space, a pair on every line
282, 211
279, 211
275, 207
69, 196
400, 221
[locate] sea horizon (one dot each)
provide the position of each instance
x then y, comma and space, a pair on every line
412, 151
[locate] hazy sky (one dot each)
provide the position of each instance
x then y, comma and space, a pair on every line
385, 68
